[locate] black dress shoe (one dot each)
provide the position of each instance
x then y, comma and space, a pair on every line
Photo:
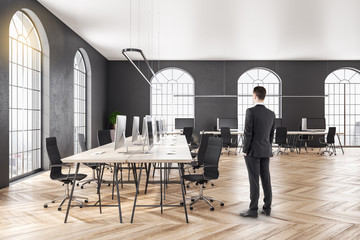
265, 212
248, 213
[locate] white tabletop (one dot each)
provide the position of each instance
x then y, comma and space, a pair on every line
169, 149
308, 133
219, 132
172, 149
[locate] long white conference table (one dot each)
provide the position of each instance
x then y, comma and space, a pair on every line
291, 133
170, 149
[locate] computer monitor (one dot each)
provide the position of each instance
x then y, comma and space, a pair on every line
278, 123
180, 123
144, 128
158, 129
120, 138
315, 124
155, 130
231, 123
150, 133
135, 128
147, 133
162, 126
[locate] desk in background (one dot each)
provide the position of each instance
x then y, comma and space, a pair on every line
294, 135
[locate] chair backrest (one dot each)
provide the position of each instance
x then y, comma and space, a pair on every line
212, 156
188, 131
104, 137
330, 138
281, 134
81, 138
202, 148
226, 135
54, 156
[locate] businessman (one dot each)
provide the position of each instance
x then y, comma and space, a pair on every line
259, 134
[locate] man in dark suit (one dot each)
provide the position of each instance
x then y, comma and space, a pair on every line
259, 134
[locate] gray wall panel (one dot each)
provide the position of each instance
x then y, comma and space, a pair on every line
219, 77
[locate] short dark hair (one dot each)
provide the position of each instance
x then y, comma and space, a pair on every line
260, 92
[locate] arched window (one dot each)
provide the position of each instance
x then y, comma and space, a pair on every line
80, 80
170, 82
342, 106
258, 77
25, 86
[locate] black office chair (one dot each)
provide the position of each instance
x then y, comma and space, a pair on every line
104, 137
188, 131
281, 140
211, 172
329, 144
226, 136
303, 141
56, 174
93, 166
201, 152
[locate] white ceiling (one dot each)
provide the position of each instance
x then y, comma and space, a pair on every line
217, 29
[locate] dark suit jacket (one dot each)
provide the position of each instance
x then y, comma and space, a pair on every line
259, 131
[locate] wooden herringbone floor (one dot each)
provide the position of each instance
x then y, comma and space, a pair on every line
315, 197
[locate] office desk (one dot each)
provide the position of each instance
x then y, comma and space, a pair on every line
174, 133
291, 133
158, 154
297, 133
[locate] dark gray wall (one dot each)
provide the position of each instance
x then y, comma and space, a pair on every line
63, 43
130, 94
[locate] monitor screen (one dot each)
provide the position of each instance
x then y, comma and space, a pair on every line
135, 128
150, 133
158, 129
315, 123
119, 139
180, 123
231, 123
278, 122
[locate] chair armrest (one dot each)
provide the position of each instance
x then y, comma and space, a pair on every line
63, 165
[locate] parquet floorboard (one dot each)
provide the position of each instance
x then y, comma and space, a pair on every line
314, 197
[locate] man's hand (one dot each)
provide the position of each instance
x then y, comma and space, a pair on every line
245, 154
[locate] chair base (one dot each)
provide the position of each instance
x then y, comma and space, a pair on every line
279, 151
228, 151
207, 199
67, 197
93, 179
328, 149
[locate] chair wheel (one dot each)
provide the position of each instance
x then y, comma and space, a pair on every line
181, 203
82, 187
81, 206
191, 208
59, 208
108, 184
212, 209
212, 184
192, 199
77, 184
222, 204
188, 186
52, 201
86, 201
45, 205
204, 186
211, 200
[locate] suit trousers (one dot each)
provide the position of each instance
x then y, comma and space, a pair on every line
259, 167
